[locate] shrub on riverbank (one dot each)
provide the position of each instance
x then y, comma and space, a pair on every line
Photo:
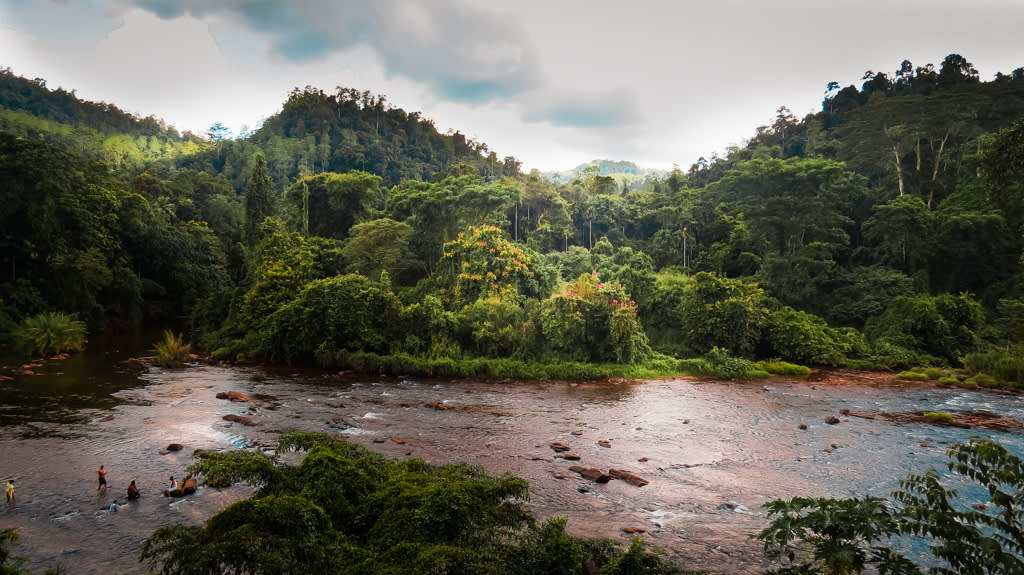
172, 351
779, 367
51, 332
1007, 367
344, 509
717, 363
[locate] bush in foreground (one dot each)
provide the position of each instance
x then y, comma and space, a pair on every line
840, 536
344, 509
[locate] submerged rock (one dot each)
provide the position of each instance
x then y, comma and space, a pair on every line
239, 419
233, 396
628, 477
595, 475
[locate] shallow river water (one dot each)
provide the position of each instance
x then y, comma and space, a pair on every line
713, 452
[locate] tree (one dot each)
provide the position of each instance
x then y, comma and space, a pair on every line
376, 246
957, 70
835, 537
901, 232
335, 202
721, 312
259, 200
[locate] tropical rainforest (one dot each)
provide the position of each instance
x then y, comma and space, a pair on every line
885, 231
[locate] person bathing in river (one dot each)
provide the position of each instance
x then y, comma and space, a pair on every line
103, 478
169, 492
133, 491
9, 491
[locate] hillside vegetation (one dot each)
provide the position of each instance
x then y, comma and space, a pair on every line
884, 231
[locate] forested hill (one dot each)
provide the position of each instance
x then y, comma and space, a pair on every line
95, 130
907, 131
349, 130
886, 230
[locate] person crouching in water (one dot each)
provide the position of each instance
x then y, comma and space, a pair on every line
133, 491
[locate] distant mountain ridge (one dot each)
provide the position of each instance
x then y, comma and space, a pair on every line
623, 170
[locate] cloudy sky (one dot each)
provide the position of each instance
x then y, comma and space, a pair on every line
554, 83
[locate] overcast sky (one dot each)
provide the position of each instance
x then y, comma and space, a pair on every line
554, 83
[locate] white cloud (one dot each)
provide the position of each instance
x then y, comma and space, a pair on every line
553, 83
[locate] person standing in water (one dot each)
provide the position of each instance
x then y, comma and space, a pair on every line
103, 478
9, 491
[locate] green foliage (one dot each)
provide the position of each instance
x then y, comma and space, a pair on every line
328, 205
803, 337
833, 536
344, 509
945, 326
949, 380
259, 200
939, 417
51, 332
172, 351
482, 262
718, 363
593, 321
1005, 365
981, 379
912, 375
779, 367
347, 312
722, 312
10, 565
638, 561
378, 246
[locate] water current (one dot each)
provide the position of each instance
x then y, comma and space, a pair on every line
713, 452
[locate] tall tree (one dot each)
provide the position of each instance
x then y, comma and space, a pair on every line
259, 200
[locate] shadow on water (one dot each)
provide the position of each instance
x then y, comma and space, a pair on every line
71, 390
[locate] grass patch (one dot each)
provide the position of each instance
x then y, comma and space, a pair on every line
779, 367
939, 417
172, 351
949, 380
912, 375
983, 380
51, 332
1004, 366
716, 365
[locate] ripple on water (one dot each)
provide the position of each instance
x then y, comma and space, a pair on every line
702, 445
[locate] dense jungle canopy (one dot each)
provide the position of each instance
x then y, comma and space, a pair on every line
884, 231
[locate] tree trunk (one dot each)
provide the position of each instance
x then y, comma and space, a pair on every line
918, 155
935, 172
899, 168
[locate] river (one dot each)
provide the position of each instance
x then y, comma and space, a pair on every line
713, 452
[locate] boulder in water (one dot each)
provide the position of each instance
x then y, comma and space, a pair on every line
233, 396
239, 419
628, 477
595, 475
